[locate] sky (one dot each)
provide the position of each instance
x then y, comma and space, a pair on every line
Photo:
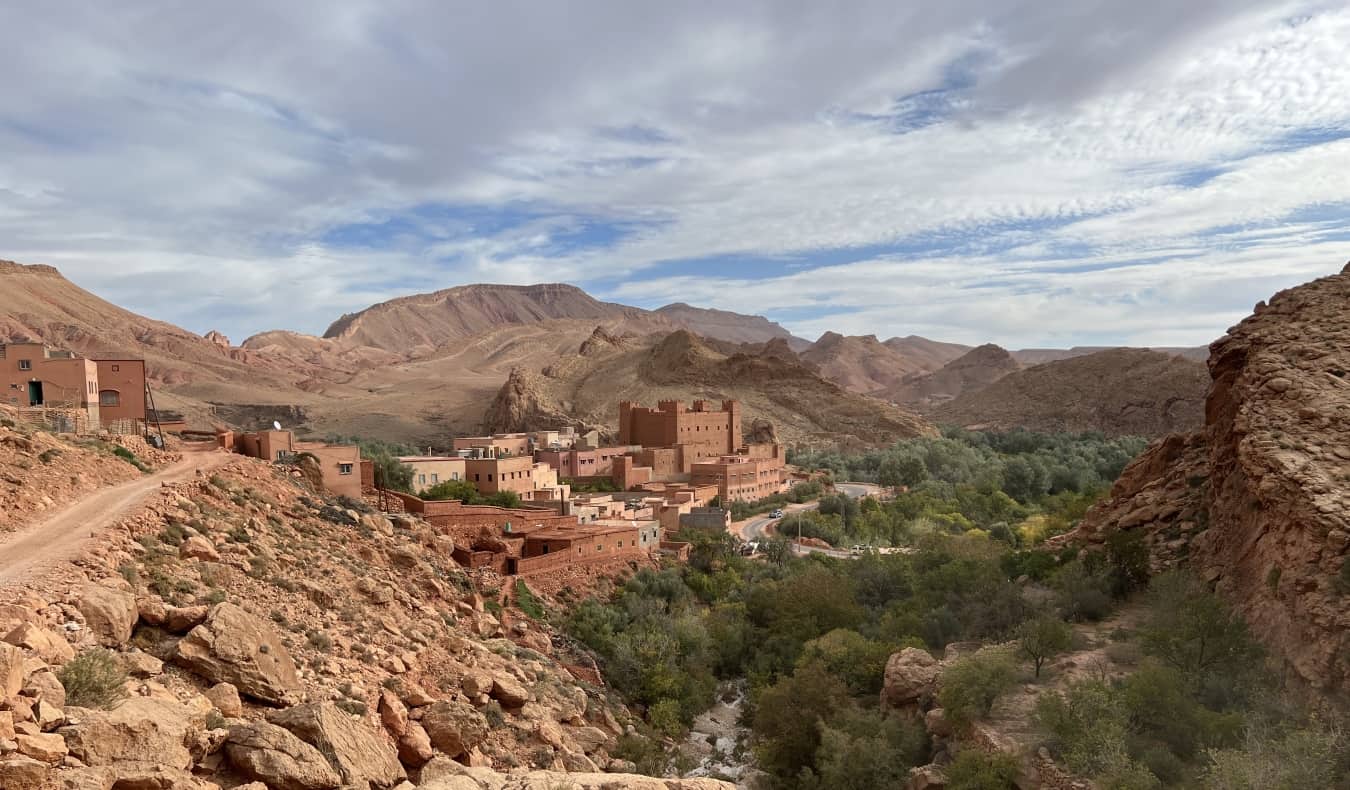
1027, 172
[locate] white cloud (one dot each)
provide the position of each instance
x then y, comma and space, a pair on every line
183, 141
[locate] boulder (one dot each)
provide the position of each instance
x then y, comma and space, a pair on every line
393, 713
508, 692
45, 643
49, 748
46, 688
140, 664
22, 773
589, 739
109, 614
414, 746
454, 727
225, 698
198, 548
926, 777
475, 681
181, 619
139, 730
361, 756
11, 670
278, 759
910, 677
235, 647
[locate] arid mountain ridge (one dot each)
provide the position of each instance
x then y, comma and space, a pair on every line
423, 367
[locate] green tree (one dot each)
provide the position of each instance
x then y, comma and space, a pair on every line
445, 490
901, 471
971, 684
853, 658
787, 719
1190, 629
865, 749
1042, 638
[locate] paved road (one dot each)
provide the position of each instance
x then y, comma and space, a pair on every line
756, 528
63, 534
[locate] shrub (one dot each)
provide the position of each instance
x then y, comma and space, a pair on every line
1082, 595
1296, 759
975, 770
1190, 629
93, 679
527, 601
319, 641
47, 456
866, 748
1087, 726
971, 684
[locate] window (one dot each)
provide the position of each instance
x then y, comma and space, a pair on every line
422, 480
109, 398
282, 455
25, 364
435, 478
116, 368
454, 475
344, 469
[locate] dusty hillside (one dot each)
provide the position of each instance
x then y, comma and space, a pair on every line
241, 628
803, 407
1119, 392
1040, 356
860, 363
1256, 499
969, 373
924, 353
728, 326
420, 324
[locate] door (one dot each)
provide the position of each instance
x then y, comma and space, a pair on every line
34, 393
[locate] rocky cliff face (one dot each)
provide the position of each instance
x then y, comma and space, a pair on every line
1124, 391
1257, 500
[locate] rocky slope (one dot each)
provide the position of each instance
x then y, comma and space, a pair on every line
969, 373
244, 631
802, 407
728, 326
1119, 392
1256, 499
860, 364
925, 354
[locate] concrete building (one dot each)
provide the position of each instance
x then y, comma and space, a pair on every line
32, 374
121, 390
561, 439
431, 470
508, 473
702, 431
502, 444
340, 465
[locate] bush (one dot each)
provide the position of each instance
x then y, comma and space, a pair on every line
971, 684
1296, 759
1087, 726
1190, 629
1082, 595
863, 749
975, 770
129, 457
527, 601
93, 679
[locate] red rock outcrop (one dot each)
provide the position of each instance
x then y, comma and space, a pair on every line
1256, 502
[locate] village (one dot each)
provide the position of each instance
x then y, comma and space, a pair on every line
582, 501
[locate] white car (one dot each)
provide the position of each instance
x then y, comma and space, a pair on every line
776, 514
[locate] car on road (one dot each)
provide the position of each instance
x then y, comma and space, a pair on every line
776, 514
860, 549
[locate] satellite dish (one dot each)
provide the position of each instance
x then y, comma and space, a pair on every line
276, 425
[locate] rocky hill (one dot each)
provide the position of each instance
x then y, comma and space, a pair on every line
925, 354
728, 326
1040, 356
1255, 499
1118, 392
243, 631
859, 363
416, 325
969, 373
803, 407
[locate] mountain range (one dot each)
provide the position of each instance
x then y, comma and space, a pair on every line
425, 367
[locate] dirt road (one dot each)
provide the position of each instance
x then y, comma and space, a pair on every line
62, 535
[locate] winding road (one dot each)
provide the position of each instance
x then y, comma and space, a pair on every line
756, 528
63, 534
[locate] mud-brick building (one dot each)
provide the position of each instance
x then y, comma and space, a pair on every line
756, 472
702, 431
